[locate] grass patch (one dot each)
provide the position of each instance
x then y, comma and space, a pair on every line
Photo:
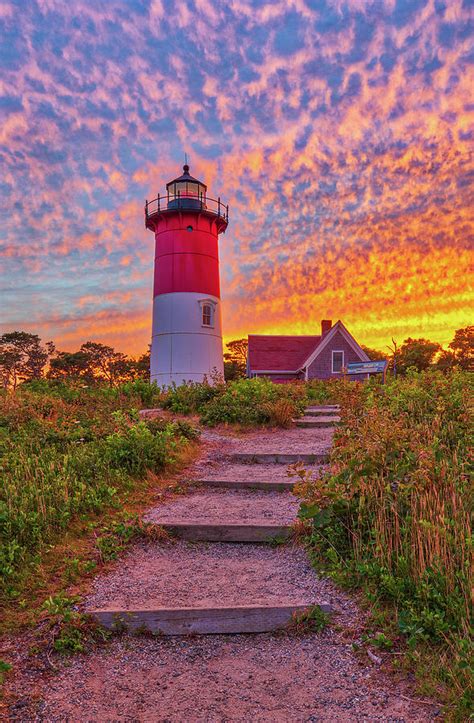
392, 518
246, 402
311, 620
77, 465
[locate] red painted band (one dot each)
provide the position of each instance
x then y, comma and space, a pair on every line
182, 241
186, 260
187, 272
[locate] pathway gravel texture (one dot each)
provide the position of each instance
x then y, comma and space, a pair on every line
268, 441
184, 574
310, 677
211, 469
228, 507
286, 676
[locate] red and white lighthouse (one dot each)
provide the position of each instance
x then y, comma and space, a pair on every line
187, 327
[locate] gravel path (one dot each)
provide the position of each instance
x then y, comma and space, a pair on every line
225, 506
212, 469
286, 676
184, 574
271, 441
244, 678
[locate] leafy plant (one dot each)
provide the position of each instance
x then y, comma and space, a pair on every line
393, 516
4, 668
66, 451
313, 619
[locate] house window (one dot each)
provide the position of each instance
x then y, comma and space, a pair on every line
206, 315
337, 362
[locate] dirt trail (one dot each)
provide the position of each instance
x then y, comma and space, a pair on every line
283, 676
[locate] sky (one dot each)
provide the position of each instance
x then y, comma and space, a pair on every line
340, 133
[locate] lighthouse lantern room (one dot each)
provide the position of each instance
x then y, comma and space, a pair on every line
187, 327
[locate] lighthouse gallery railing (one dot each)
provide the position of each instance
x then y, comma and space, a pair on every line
171, 202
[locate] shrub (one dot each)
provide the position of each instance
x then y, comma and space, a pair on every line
67, 451
393, 515
244, 401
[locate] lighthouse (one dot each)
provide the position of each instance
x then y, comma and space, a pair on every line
187, 327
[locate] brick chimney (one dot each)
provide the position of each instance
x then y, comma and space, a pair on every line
326, 325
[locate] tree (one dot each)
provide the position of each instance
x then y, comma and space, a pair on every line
70, 365
446, 360
22, 357
106, 364
141, 366
418, 353
235, 359
463, 347
373, 354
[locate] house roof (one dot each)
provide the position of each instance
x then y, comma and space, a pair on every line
280, 353
292, 353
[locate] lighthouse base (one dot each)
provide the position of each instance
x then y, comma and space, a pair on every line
183, 348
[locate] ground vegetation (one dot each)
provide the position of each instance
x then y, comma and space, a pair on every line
393, 518
68, 451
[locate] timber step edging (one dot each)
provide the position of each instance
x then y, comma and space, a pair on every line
324, 407
317, 422
206, 620
223, 532
322, 413
279, 458
270, 486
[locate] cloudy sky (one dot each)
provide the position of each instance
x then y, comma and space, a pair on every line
340, 132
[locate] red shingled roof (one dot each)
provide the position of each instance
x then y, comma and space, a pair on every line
280, 353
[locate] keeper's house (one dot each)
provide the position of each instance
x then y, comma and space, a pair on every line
284, 358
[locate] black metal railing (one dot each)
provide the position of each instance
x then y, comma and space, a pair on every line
172, 202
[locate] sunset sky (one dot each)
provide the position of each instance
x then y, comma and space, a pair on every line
340, 132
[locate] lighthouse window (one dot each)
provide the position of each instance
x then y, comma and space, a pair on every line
207, 315
189, 228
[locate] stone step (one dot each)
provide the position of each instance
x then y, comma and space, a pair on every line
223, 532
279, 458
252, 484
317, 422
205, 620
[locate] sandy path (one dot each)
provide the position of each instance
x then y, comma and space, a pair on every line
212, 469
313, 677
183, 574
286, 676
228, 506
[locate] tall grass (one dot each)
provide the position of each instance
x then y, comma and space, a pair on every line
66, 451
394, 514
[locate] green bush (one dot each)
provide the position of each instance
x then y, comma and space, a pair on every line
248, 402
67, 451
393, 516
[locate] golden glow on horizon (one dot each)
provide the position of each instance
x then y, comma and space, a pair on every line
345, 159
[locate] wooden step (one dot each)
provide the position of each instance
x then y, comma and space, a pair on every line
321, 412
205, 621
227, 532
317, 422
234, 484
324, 406
279, 458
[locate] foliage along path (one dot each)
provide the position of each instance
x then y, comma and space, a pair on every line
222, 576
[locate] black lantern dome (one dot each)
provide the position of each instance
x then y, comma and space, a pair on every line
186, 191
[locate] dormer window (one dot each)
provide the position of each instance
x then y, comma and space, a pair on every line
208, 308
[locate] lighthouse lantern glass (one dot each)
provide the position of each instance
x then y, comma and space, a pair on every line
186, 189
